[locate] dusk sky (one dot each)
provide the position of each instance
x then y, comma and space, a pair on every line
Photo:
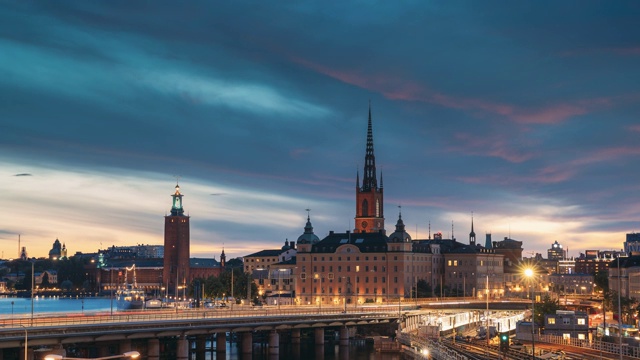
524, 113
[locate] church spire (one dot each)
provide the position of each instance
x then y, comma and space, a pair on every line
369, 197
369, 181
472, 234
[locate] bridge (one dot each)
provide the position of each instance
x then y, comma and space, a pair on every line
143, 331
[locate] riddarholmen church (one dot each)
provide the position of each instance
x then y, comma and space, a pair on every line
369, 266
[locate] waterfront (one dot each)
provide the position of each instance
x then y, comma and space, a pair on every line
41, 305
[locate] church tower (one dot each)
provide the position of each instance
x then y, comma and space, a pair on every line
176, 246
369, 197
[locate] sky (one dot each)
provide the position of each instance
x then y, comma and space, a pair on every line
524, 114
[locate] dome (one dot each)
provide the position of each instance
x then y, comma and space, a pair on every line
400, 235
308, 237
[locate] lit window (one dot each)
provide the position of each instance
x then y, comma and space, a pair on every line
581, 321
551, 321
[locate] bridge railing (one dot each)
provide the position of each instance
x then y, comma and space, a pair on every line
608, 347
52, 319
434, 348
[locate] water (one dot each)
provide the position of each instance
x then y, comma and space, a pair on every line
21, 306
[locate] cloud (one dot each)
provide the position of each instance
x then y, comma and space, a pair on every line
23, 174
246, 96
395, 88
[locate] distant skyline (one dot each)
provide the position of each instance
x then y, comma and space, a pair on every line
524, 113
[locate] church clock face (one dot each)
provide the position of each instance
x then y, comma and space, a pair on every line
364, 224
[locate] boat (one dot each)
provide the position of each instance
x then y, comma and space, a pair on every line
153, 304
129, 296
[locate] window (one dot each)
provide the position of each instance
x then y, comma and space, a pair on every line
551, 321
581, 321
566, 321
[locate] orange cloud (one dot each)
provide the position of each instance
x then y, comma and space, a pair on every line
398, 89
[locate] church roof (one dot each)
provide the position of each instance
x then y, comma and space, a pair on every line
267, 253
366, 242
203, 263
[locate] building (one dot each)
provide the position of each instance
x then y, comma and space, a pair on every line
474, 271
568, 324
510, 249
176, 264
555, 252
632, 244
264, 259
50, 275
624, 276
580, 284
566, 266
58, 251
367, 266
593, 261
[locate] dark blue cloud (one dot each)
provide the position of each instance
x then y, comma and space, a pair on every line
518, 111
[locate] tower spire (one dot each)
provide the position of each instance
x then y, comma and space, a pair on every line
370, 180
472, 234
369, 197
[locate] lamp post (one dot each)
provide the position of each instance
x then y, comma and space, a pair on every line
529, 273
128, 354
619, 309
33, 280
26, 341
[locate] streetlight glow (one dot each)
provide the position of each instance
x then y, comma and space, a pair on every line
528, 272
128, 354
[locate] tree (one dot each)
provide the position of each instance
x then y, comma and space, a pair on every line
424, 288
601, 280
66, 285
45, 281
546, 306
235, 263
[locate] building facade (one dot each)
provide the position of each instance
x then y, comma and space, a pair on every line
568, 324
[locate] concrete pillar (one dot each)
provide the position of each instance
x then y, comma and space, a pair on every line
153, 349
319, 336
103, 350
295, 351
201, 342
247, 343
274, 343
182, 352
29, 353
295, 336
221, 342
125, 345
344, 336
320, 351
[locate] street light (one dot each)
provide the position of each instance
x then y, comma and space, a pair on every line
26, 340
128, 354
280, 285
529, 273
